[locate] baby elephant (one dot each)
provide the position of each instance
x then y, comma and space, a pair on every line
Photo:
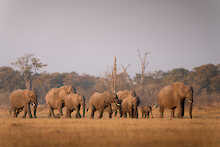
146, 110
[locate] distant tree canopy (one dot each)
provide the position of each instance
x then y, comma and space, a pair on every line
28, 65
205, 80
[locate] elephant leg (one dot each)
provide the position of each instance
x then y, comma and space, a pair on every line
60, 111
110, 115
93, 112
68, 113
35, 112
77, 112
125, 115
181, 109
14, 112
182, 105
142, 115
110, 112
101, 113
25, 111
172, 113
130, 114
152, 114
51, 112
121, 114
116, 113
161, 111
148, 114
17, 112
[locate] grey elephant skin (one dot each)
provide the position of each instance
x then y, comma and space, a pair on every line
101, 101
55, 99
173, 97
21, 100
73, 102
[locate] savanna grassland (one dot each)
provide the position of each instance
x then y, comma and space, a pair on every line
202, 131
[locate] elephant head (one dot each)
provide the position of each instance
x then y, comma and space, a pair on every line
32, 99
68, 89
189, 98
186, 94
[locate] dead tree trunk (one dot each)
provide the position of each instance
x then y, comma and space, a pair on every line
114, 76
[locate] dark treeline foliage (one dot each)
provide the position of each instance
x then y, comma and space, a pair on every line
205, 80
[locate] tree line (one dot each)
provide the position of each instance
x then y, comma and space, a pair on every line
205, 80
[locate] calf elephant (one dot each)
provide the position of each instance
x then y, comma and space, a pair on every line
173, 97
146, 111
129, 105
73, 102
101, 101
20, 100
55, 99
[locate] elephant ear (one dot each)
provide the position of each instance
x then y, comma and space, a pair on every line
179, 89
27, 95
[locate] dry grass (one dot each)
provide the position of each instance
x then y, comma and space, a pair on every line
202, 131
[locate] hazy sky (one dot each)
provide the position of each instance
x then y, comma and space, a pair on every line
84, 36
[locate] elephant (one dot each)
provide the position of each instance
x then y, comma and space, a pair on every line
20, 100
55, 99
129, 105
73, 102
121, 96
173, 97
101, 101
147, 110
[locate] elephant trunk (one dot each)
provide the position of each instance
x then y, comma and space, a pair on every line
190, 110
191, 103
84, 107
35, 109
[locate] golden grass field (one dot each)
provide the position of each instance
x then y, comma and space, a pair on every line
202, 131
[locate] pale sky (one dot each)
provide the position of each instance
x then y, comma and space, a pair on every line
84, 35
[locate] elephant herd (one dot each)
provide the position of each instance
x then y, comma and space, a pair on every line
124, 102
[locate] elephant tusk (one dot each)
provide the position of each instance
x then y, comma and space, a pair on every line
190, 101
117, 104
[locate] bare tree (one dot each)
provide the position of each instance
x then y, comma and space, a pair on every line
123, 78
114, 75
125, 68
28, 65
143, 63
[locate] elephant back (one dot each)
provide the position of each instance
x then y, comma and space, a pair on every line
123, 94
18, 98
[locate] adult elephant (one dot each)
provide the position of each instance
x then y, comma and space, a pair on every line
21, 100
73, 102
173, 97
55, 99
101, 101
130, 105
